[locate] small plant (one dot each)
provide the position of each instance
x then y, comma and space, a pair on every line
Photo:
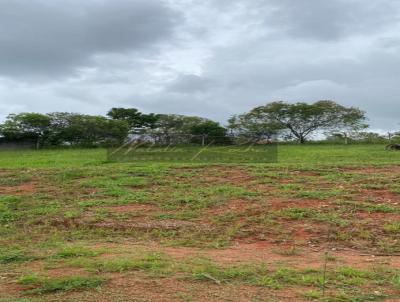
392, 228
289, 251
313, 294
47, 285
13, 255
396, 281
153, 263
76, 251
330, 258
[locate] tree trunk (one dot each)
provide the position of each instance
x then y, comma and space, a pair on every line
302, 139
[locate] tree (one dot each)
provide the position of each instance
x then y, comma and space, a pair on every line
33, 126
352, 124
302, 119
134, 118
86, 130
175, 126
209, 131
250, 126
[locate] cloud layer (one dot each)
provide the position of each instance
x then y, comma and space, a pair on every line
208, 58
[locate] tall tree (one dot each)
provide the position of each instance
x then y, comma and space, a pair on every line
64, 128
27, 125
134, 118
209, 131
251, 127
86, 130
302, 120
169, 126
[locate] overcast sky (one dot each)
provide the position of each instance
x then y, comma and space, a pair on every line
211, 58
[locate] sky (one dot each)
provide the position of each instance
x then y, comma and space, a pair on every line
210, 58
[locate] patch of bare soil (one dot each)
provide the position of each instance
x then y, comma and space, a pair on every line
229, 175
8, 288
149, 225
372, 170
381, 196
65, 272
236, 205
271, 254
138, 288
285, 255
28, 188
377, 218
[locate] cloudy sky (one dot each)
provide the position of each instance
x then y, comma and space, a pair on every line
211, 58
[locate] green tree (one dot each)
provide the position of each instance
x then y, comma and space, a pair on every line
175, 127
134, 118
27, 125
302, 120
85, 130
209, 131
250, 126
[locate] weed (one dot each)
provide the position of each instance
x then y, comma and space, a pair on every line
76, 251
43, 285
13, 255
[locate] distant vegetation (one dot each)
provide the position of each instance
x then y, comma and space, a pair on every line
287, 122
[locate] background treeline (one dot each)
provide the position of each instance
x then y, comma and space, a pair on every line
279, 120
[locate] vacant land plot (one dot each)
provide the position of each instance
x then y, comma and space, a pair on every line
322, 224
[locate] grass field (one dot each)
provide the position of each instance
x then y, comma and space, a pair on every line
321, 224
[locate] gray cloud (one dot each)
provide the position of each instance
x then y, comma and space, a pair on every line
332, 20
208, 58
40, 37
190, 83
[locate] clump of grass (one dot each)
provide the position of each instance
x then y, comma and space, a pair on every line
396, 281
13, 255
204, 269
312, 214
313, 294
153, 263
289, 251
392, 227
43, 285
14, 299
76, 251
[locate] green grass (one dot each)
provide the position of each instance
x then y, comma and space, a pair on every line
287, 154
152, 263
13, 255
76, 251
59, 207
43, 285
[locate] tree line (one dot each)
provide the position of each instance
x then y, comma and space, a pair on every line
286, 121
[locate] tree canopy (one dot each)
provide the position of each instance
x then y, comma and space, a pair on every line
287, 120
302, 119
134, 118
63, 128
28, 125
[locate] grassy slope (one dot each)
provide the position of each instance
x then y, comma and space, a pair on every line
288, 154
61, 211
